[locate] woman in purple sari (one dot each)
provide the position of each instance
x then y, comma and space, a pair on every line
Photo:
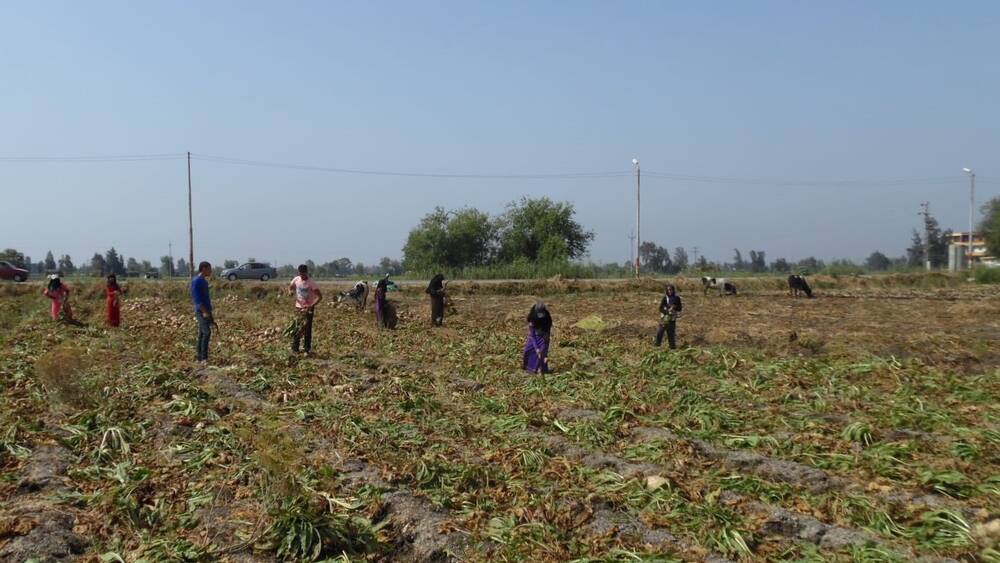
536, 345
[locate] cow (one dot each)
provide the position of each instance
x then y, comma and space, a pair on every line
724, 286
358, 295
796, 284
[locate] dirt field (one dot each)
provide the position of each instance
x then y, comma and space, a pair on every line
862, 425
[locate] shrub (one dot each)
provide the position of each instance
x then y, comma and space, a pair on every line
984, 274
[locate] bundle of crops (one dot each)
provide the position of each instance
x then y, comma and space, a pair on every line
295, 327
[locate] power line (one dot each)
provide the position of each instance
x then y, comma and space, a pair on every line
661, 175
106, 158
802, 182
366, 172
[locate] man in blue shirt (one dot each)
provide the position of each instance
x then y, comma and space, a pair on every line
202, 309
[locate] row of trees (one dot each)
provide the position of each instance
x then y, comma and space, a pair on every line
533, 230
112, 262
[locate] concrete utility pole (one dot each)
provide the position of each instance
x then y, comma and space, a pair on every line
972, 207
694, 260
631, 248
170, 254
638, 238
190, 225
925, 212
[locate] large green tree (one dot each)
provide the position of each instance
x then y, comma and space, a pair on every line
166, 267
990, 226
114, 263
654, 258
450, 239
98, 265
878, 262
680, 259
530, 225
66, 265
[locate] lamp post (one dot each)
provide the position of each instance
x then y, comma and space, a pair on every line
972, 206
638, 239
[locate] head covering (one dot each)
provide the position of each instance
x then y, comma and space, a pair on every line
670, 287
539, 308
54, 282
436, 284
112, 281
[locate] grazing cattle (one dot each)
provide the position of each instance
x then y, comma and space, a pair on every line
798, 284
358, 295
724, 286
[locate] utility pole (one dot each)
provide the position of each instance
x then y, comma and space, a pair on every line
694, 259
170, 254
638, 238
631, 247
190, 224
924, 210
972, 206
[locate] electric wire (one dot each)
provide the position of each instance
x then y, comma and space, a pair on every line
646, 174
367, 172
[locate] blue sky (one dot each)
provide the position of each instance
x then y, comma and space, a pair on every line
754, 91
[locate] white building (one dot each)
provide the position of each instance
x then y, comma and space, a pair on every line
959, 255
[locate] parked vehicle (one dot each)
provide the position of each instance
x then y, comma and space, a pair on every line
9, 271
250, 271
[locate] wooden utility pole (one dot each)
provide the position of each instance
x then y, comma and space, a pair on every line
190, 224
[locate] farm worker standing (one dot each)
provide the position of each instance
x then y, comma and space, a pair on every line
670, 308
202, 310
381, 305
113, 292
307, 296
58, 293
536, 345
435, 290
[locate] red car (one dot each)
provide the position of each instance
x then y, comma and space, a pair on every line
9, 271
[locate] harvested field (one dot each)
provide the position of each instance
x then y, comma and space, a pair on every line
862, 425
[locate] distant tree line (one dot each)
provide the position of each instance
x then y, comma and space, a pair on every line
531, 236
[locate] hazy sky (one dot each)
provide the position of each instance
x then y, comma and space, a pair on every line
765, 92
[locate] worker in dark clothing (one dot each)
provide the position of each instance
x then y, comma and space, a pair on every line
535, 356
670, 309
435, 290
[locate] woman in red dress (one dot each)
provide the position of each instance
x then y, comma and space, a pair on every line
114, 293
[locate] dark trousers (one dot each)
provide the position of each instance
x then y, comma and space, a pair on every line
437, 309
670, 327
204, 335
306, 334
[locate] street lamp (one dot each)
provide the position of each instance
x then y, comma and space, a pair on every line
638, 239
972, 206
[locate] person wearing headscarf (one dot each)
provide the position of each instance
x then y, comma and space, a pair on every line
435, 290
381, 304
58, 293
113, 293
670, 309
536, 345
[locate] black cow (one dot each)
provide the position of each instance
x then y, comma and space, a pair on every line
798, 284
724, 286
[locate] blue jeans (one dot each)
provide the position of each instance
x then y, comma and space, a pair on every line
204, 335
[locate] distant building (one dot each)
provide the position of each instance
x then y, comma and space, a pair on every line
959, 255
